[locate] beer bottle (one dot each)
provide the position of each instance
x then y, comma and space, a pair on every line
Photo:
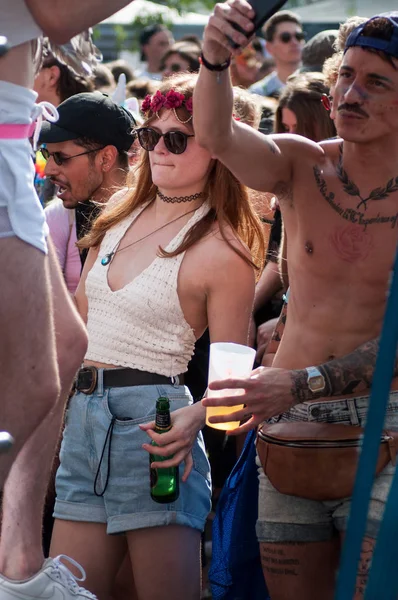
165, 484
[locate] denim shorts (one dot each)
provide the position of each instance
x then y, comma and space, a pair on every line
126, 503
283, 518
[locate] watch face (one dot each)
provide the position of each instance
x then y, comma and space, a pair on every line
317, 383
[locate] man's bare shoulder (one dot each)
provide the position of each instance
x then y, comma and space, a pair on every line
298, 147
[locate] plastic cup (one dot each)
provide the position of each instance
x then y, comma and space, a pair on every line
227, 360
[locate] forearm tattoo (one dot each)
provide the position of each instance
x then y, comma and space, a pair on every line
349, 374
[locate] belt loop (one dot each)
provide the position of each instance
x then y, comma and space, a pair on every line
175, 380
100, 382
352, 407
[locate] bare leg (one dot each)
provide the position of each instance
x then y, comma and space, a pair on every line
124, 588
27, 351
300, 571
21, 552
99, 554
166, 562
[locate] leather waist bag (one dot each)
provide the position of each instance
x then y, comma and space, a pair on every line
317, 461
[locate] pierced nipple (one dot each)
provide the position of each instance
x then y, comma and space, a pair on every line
309, 248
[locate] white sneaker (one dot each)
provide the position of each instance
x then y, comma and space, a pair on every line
54, 581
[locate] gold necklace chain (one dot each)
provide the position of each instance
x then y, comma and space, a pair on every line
108, 257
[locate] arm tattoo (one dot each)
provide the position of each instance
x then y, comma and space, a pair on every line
300, 390
346, 375
352, 373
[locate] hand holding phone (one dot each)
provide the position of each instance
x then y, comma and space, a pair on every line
264, 9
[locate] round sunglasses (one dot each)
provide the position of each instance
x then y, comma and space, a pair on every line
286, 36
175, 141
60, 159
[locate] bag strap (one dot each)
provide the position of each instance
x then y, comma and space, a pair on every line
379, 398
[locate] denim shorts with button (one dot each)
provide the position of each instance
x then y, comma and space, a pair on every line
283, 518
126, 503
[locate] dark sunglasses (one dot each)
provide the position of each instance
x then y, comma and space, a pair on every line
286, 36
60, 159
175, 141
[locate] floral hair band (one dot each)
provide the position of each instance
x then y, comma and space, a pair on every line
171, 101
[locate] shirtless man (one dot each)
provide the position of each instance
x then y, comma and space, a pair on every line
339, 201
39, 325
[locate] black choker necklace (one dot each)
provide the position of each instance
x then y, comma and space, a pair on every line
178, 199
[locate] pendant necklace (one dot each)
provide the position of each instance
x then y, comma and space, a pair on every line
108, 257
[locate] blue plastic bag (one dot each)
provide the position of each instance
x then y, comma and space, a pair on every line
235, 571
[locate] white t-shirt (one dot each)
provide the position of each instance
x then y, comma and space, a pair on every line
17, 22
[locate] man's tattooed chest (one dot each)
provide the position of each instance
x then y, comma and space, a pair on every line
355, 216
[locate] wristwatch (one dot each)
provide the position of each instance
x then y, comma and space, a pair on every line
315, 380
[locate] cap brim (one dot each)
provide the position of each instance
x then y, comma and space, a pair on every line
50, 133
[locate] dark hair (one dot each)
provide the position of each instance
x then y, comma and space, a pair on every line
91, 144
117, 67
319, 48
139, 88
68, 83
302, 95
192, 39
103, 77
283, 16
186, 51
381, 29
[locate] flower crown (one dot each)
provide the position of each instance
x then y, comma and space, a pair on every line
171, 100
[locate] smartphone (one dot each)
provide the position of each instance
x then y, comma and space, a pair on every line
3, 45
264, 9
6, 442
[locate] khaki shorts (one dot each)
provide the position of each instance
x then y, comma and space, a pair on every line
283, 518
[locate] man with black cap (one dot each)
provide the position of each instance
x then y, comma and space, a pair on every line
86, 151
339, 201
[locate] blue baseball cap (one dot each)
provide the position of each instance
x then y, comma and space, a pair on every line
357, 38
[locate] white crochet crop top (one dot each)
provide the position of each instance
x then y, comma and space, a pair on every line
142, 325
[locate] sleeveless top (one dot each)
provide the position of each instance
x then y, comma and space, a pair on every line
142, 325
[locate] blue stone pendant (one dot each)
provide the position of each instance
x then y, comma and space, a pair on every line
107, 259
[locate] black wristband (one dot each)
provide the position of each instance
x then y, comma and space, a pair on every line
218, 67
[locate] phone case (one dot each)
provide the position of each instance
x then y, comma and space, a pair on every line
264, 9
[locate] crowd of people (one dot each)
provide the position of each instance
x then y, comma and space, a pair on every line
243, 195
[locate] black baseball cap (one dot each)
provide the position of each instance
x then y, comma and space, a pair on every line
91, 115
357, 38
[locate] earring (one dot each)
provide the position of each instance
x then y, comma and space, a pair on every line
326, 102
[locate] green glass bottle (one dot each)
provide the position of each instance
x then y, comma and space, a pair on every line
165, 483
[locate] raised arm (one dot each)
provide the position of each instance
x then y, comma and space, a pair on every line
260, 162
61, 20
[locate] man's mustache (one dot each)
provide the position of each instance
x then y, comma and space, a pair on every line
354, 108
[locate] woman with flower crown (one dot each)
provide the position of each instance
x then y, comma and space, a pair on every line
174, 253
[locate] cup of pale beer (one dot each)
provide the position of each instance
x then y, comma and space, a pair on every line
227, 360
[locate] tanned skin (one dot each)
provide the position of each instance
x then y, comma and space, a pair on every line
339, 203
